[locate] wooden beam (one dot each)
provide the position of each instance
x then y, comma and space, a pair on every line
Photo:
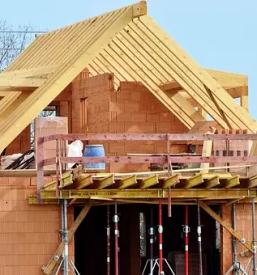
252, 182
149, 182
207, 151
244, 102
104, 182
194, 181
18, 83
48, 269
12, 107
33, 72
232, 182
170, 181
8, 100
186, 105
126, 182
82, 182
88, 40
171, 86
195, 79
212, 182
66, 181
226, 225
194, 193
226, 80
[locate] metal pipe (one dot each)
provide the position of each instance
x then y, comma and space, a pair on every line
160, 229
57, 168
62, 230
108, 242
66, 241
234, 241
169, 203
169, 174
186, 230
116, 234
199, 231
254, 236
151, 233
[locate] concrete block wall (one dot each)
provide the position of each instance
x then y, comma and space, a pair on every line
244, 227
29, 234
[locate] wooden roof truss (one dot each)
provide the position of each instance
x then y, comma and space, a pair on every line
128, 43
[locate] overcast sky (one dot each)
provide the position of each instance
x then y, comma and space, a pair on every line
219, 34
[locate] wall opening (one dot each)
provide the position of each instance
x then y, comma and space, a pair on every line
90, 240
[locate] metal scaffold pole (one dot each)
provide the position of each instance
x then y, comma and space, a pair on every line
234, 241
116, 234
254, 237
199, 231
108, 242
66, 241
160, 239
186, 231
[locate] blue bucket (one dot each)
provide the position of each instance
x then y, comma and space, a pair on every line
94, 150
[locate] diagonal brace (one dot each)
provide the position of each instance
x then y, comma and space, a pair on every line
225, 225
55, 259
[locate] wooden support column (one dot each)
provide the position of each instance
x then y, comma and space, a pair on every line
244, 98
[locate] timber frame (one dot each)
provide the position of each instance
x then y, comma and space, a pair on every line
132, 47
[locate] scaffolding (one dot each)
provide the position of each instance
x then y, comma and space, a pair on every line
197, 189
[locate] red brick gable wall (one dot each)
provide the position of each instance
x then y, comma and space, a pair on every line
132, 109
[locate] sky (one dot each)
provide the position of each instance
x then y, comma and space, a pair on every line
218, 34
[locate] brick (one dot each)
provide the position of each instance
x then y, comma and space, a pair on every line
117, 147
163, 127
117, 107
132, 106
167, 116
144, 107
140, 127
153, 117
158, 107
124, 95
135, 96
138, 117
124, 117
117, 128
148, 96
128, 85
19, 181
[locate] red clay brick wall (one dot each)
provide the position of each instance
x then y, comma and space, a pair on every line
244, 227
21, 143
133, 109
28, 233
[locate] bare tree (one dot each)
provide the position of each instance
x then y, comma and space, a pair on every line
14, 41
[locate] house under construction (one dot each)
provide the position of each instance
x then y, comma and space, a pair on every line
177, 189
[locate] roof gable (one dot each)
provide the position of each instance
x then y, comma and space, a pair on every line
128, 43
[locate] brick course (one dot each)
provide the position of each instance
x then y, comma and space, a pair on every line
28, 233
131, 109
244, 227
